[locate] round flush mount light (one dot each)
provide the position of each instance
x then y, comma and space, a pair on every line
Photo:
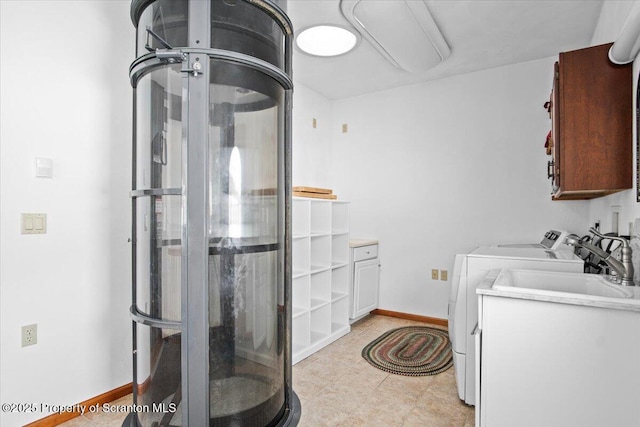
326, 40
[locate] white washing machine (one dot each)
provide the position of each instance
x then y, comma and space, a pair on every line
468, 272
553, 239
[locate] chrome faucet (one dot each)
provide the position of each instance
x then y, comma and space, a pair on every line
623, 267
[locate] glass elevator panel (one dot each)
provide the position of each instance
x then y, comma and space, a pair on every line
211, 224
159, 166
166, 20
246, 241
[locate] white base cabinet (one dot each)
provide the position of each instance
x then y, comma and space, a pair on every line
320, 288
554, 364
365, 278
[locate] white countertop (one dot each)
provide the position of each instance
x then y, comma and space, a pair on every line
356, 243
631, 303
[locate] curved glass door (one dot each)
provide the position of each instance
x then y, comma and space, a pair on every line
246, 255
158, 249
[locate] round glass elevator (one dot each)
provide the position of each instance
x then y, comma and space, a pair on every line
211, 208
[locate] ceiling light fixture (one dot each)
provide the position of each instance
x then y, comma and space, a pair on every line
326, 40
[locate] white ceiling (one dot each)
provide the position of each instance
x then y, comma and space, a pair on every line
482, 34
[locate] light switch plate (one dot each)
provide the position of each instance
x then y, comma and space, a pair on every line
44, 167
33, 223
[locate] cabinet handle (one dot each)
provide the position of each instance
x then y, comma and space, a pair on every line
550, 165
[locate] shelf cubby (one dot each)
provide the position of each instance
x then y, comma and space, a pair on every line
320, 288
339, 249
301, 261
320, 282
301, 294
300, 218
320, 217
340, 311
320, 255
321, 321
340, 217
301, 332
340, 280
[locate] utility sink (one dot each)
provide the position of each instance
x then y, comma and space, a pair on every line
584, 286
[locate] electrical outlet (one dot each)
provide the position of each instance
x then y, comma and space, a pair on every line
29, 335
444, 274
434, 274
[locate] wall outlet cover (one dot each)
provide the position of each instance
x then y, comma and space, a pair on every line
29, 335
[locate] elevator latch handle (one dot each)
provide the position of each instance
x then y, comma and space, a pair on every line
170, 55
195, 69
159, 39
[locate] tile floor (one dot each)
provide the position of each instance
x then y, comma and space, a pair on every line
337, 387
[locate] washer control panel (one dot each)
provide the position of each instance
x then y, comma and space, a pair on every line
553, 239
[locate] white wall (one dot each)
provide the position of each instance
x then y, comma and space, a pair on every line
439, 168
311, 147
611, 20
65, 96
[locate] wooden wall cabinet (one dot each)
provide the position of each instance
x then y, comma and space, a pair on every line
591, 112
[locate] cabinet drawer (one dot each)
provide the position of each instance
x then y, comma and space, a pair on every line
365, 252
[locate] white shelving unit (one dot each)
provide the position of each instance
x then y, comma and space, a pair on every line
320, 294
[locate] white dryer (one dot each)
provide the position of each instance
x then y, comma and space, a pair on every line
468, 272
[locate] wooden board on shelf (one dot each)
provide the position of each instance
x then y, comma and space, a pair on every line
264, 192
313, 190
315, 195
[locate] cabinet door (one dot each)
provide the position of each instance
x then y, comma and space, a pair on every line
366, 279
477, 334
592, 120
555, 129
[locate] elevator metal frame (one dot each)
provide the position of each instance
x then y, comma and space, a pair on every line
194, 324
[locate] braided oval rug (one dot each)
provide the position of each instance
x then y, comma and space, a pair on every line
411, 350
